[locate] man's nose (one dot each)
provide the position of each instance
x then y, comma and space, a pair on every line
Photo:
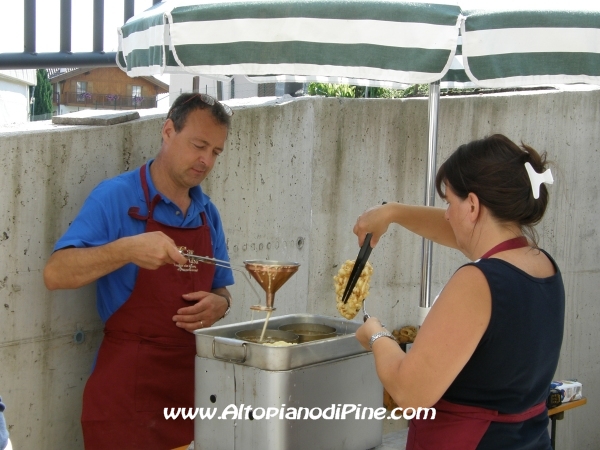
204, 158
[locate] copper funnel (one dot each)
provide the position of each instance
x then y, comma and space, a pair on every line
271, 275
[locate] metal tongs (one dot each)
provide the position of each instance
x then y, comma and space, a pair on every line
359, 265
217, 262
206, 259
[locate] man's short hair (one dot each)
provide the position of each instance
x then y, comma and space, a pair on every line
186, 103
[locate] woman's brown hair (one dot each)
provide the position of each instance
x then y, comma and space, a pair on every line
493, 168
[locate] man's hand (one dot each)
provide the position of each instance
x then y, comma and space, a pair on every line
153, 250
208, 309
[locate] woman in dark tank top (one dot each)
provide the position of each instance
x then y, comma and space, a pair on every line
488, 349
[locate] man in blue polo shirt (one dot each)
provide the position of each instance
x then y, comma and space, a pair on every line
126, 237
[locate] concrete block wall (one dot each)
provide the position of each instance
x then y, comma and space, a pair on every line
294, 177
46, 177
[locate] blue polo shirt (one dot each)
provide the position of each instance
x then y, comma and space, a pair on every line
104, 218
3, 430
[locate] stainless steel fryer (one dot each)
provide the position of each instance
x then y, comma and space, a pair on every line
220, 343
231, 374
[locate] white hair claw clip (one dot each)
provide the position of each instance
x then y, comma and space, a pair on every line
537, 179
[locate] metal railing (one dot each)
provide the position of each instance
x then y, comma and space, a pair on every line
30, 59
103, 101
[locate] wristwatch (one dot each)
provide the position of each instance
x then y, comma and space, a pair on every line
378, 335
228, 310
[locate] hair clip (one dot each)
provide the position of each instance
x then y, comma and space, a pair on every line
537, 179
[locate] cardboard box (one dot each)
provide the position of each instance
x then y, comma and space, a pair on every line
570, 390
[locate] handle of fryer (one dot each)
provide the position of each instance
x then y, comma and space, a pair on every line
231, 342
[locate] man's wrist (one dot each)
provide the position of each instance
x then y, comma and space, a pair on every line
228, 310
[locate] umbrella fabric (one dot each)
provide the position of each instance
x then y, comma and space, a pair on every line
456, 77
382, 40
144, 41
364, 42
518, 48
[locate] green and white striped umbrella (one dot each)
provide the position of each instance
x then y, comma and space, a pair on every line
385, 40
367, 42
518, 48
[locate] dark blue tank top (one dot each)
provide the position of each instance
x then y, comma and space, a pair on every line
515, 361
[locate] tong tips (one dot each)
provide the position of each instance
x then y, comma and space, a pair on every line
359, 265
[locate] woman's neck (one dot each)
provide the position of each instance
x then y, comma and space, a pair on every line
488, 233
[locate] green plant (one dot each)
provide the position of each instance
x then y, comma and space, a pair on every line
331, 90
42, 94
344, 90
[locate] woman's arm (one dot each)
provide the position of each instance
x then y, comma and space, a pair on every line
426, 221
444, 344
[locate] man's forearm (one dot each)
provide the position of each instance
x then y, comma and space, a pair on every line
222, 292
72, 268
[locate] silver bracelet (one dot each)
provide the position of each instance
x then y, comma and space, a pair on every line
378, 335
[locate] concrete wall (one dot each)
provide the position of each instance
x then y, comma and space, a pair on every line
290, 184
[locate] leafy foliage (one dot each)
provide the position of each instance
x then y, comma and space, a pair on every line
331, 90
42, 94
416, 90
344, 90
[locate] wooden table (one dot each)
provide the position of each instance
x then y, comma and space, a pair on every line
558, 413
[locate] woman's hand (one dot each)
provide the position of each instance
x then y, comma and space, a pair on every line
426, 221
368, 329
375, 220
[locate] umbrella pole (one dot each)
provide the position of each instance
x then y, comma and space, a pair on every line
433, 109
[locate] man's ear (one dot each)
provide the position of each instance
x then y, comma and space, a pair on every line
168, 129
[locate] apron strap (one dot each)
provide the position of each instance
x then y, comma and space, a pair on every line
460, 427
510, 244
489, 414
134, 211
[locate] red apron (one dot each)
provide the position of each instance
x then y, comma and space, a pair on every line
145, 362
459, 427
